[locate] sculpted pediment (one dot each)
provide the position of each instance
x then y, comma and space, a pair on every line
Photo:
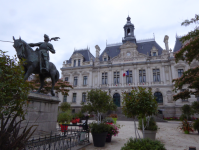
66, 74
180, 65
77, 55
128, 45
85, 73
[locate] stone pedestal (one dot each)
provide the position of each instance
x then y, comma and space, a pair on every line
42, 111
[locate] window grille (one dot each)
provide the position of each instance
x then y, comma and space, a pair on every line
156, 75
184, 99
142, 76
75, 81
180, 72
159, 97
104, 78
129, 78
116, 77
85, 80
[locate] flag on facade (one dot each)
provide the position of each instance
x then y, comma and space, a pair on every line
126, 73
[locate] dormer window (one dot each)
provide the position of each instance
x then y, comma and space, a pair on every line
154, 53
105, 59
78, 62
74, 65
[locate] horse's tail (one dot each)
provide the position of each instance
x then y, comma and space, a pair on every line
57, 76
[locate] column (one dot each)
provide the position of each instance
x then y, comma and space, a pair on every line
109, 76
91, 78
163, 74
98, 77
80, 80
148, 74
135, 81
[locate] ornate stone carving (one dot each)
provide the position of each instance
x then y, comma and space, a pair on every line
128, 45
169, 97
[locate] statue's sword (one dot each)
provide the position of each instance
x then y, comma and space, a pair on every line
6, 41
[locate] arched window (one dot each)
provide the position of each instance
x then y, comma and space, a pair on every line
128, 31
159, 97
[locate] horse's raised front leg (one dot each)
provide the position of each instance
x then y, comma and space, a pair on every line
42, 78
28, 72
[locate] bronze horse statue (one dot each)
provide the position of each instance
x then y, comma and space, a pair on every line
32, 64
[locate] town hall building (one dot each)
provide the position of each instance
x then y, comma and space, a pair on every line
121, 66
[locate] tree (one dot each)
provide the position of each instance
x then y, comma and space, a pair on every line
13, 97
99, 102
189, 53
139, 103
13, 89
60, 86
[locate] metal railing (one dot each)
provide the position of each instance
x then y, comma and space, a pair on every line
63, 140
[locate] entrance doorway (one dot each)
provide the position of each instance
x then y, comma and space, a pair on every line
116, 99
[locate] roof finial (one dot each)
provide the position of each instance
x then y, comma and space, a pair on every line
128, 18
154, 36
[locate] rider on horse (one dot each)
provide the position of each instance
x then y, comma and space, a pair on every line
44, 47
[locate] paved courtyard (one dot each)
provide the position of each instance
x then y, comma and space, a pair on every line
173, 138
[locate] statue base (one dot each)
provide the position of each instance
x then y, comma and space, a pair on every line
42, 111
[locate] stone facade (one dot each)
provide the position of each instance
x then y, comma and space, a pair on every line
122, 66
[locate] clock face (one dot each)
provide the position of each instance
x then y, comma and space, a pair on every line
128, 54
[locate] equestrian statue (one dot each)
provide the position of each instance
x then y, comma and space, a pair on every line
37, 61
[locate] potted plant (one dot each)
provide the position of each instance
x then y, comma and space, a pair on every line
150, 127
99, 133
114, 117
108, 120
196, 125
113, 131
186, 126
139, 102
75, 121
64, 118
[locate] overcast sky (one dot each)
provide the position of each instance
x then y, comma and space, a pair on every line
82, 23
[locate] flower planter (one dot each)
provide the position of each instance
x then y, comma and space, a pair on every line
149, 134
63, 128
114, 119
99, 139
186, 132
109, 123
108, 137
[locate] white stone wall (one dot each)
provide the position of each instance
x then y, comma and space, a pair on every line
165, 63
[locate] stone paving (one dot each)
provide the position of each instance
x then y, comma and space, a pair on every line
169, 134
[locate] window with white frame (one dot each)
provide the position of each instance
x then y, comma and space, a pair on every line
74, 97
65, 98
83, 97
180, 72
116, 78
78, 62
85, 80
129, 78
75, 81
142, 76
104, 78
156, 75
74, 65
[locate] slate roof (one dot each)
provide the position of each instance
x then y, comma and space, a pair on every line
142, 47
178, 45
86, 54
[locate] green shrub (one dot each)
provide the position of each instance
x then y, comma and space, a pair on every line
99, 128
64, 117
196, 124
152, 124
64, 106
143, 144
